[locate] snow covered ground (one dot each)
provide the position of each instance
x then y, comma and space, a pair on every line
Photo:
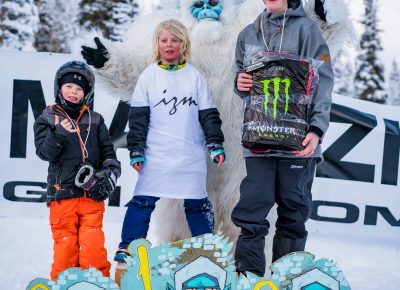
26, 253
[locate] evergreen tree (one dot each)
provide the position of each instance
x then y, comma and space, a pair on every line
343, 72
394, 85
122, 14
165, 3
57, 27
96, 14
18, 23
112, 17
369, 78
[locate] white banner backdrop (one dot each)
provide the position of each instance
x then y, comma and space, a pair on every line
356, 191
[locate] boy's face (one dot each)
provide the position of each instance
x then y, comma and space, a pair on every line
276, 6
169, 47
72, 93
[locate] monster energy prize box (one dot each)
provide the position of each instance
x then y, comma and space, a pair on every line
278, 106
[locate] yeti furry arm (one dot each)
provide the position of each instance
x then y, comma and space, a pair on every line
337, 30
120, 72
129, 58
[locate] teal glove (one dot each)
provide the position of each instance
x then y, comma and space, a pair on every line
216, 150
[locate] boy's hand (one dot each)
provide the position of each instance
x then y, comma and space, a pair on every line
64, 128
96, 57
220, 159
244, 82
310, 142
217, 153
137, 160
68, 126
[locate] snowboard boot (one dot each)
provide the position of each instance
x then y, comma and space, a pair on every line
121, 255
282, 246
121, 267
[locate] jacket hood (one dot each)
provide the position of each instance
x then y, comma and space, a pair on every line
295, 10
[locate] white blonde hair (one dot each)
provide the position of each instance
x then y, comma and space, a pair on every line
178, 30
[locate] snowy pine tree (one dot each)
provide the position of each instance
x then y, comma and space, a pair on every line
96, 14
57, 27
122, 14
343, 72
164, 3
394, 85
369, 78
18, 23
112, 17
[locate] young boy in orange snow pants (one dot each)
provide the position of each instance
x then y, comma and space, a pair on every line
83, 169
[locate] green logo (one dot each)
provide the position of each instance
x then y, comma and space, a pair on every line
276, 82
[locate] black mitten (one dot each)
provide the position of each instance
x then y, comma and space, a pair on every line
104, 185
96, 57
99, 184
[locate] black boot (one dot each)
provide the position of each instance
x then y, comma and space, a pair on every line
283, 246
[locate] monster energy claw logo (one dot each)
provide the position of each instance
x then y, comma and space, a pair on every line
276, 82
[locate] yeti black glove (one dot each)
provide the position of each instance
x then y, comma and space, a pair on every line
96, 57
320, 10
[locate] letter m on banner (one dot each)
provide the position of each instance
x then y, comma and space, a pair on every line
24, 92
276, 82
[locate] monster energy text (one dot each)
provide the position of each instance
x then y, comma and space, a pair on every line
273, 129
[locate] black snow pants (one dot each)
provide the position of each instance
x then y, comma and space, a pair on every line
270, 180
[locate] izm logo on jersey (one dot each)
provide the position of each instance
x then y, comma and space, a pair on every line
276, 83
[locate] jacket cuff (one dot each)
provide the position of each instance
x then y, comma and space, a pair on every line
316, 130
136, 152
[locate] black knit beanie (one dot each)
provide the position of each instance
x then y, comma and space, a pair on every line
77, 79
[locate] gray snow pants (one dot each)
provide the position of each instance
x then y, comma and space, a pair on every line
270, 180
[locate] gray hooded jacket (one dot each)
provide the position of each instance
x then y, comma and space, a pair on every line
301, 37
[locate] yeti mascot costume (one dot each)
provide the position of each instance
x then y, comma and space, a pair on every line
213, 32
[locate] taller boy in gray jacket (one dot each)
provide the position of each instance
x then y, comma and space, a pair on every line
272, 177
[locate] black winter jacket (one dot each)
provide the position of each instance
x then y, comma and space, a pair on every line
64, 153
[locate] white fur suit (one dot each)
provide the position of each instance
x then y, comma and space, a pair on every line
213, 47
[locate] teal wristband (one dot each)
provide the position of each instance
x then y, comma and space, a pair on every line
136, 160
216, 152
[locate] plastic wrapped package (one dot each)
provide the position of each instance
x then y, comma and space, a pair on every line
278, 106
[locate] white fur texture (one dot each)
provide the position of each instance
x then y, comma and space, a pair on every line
338, 30
213, 47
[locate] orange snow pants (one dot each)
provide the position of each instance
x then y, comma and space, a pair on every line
76, 226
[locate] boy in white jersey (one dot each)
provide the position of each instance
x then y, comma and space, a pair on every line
172, 117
